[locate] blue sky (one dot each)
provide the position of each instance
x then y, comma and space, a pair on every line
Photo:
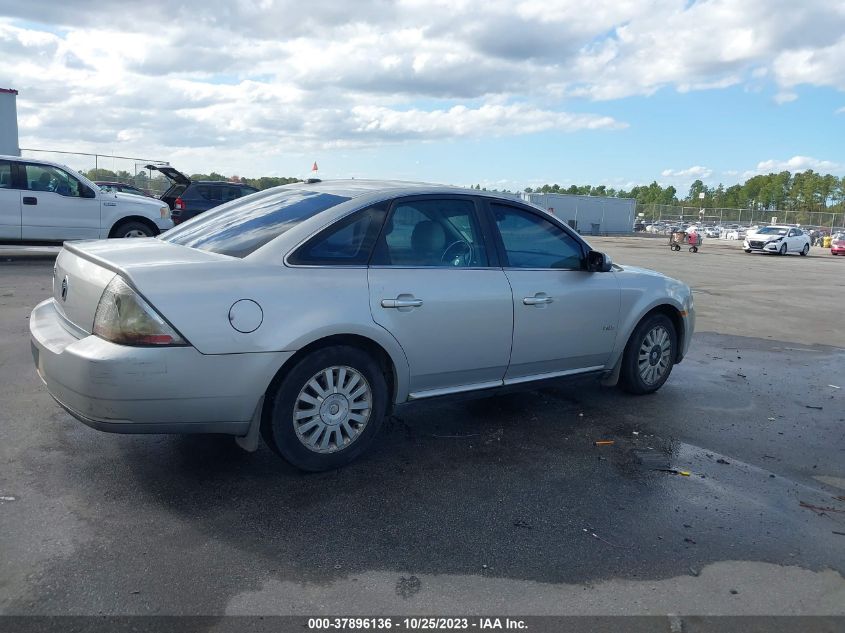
505, 93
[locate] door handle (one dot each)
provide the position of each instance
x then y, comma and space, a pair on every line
30, 200
401, 303
538, 299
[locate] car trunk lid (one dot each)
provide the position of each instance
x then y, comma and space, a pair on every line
178, 183
84, 269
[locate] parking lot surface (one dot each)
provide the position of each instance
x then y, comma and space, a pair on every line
502, 504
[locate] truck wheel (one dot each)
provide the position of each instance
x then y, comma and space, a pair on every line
132, 228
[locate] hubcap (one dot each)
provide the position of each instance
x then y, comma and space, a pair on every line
332, 409
655, 351
135, 233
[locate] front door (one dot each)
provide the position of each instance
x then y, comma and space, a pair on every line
53, 207
565, 318
10, 204
433, 288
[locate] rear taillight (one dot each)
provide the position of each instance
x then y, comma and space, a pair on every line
124, 317
179, 204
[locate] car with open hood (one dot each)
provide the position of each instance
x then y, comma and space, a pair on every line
305, 313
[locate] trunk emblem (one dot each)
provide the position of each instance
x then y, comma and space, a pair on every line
64, 289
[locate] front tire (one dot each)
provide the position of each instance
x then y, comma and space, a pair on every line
327, 409
782, 250
132, 228
805, 250
747, 250
649, 355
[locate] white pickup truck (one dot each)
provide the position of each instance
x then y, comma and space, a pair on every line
42, 201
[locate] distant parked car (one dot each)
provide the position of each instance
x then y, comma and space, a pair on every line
777, 239
120, 187
837, 244
187, 198
639, 227
42, 201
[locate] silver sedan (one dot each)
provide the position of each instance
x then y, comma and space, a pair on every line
304, 313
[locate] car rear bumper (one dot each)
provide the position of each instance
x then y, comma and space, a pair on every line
125, 389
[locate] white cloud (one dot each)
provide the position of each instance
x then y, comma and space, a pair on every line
840, 111
696, 171
785, 97
198, 80
795, 164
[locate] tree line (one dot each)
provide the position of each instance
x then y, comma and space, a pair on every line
159, 183
803, 191
806, 191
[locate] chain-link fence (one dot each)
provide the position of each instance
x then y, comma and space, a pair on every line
825, 220
107, 168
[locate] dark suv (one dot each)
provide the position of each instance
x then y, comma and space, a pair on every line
187, 198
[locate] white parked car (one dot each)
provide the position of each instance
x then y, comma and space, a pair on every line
49, 202
777, 239
735, 234
307, 312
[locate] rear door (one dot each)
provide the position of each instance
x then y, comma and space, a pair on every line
53, 207
435, 286
565, 318
10, 203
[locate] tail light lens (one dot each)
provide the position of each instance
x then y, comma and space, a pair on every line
124, 317
179, 204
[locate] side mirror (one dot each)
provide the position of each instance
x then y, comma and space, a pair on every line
87, 192
598, 262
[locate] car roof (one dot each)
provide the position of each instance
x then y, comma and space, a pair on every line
356, 188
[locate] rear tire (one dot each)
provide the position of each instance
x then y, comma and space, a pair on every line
344, 422
649, 355
133, 228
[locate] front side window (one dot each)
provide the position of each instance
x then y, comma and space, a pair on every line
531, 241
51, 179
5, 174
348, 242
439, 233
242, 226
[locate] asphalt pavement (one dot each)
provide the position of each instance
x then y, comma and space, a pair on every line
501, 504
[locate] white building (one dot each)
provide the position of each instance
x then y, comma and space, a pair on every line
589, 215
9, 122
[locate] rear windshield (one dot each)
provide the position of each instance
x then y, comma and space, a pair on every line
244, 225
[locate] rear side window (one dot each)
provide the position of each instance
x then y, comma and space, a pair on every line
348, 242
5, 174
240, 227
212, 194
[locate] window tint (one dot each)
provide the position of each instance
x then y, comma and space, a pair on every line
242, 226
533, 242
46, 178
443, 233
212, 194
347, 242
5, 174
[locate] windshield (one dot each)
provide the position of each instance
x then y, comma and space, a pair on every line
771, 230
244, 225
